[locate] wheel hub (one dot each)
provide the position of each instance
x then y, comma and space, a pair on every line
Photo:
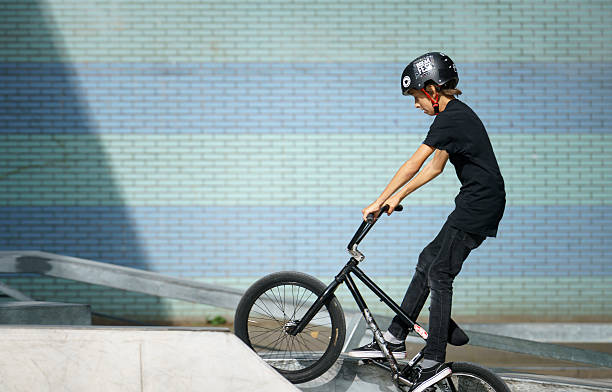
290, 326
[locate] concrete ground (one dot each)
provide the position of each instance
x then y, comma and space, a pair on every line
533, 383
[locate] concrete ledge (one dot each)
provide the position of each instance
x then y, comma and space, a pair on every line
44, 313
126, 359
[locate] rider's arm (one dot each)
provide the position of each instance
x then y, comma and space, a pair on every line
406, 172
429, 172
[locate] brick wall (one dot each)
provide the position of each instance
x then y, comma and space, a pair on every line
223, 140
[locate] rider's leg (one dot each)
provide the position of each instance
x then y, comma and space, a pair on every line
418, 290
454, 249
453, 252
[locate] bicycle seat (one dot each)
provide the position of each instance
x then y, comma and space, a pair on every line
456, 336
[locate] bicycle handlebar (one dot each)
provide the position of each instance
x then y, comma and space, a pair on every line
385, 208
367, 224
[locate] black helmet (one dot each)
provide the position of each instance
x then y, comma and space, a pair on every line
434, 66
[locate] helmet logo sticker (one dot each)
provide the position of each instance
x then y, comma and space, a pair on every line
406, 81
424, 66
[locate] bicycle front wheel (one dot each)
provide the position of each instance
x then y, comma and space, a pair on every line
279, 301
467, 377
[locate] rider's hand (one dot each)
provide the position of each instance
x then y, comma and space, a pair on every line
372, 208
393, 202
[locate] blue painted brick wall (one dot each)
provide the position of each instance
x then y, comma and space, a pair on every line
222, 140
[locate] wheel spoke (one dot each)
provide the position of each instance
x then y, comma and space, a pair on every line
302, 304
267, 311
295, 303
274, 301
263, 333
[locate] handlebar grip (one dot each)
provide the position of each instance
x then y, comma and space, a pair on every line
385, 208
367, 225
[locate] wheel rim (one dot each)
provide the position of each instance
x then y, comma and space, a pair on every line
278, 308
465, 382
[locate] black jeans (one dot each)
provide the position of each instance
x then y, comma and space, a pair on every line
438, 265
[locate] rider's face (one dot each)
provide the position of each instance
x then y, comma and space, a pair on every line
422, 102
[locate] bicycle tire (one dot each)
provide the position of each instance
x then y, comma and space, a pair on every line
474, 378
256, 324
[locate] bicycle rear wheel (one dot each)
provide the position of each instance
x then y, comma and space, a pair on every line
468, 377
279, 301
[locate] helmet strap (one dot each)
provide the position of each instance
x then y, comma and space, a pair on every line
434, 101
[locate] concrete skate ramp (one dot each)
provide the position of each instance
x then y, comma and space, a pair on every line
108, 359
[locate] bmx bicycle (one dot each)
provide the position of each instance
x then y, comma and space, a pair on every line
296, 324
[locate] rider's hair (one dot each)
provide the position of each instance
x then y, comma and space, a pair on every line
448, 88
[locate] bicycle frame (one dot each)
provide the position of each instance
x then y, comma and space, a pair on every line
345, 277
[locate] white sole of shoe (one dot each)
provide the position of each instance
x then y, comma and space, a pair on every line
427, 383
374, 355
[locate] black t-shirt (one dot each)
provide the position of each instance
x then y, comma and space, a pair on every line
481, 201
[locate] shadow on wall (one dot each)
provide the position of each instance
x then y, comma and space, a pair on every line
58, 192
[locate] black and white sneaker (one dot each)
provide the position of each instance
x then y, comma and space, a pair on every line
372, 351
426, 378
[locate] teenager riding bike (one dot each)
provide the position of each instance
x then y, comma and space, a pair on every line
456, 133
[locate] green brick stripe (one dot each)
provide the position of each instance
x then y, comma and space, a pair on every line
281, 169
303, 31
